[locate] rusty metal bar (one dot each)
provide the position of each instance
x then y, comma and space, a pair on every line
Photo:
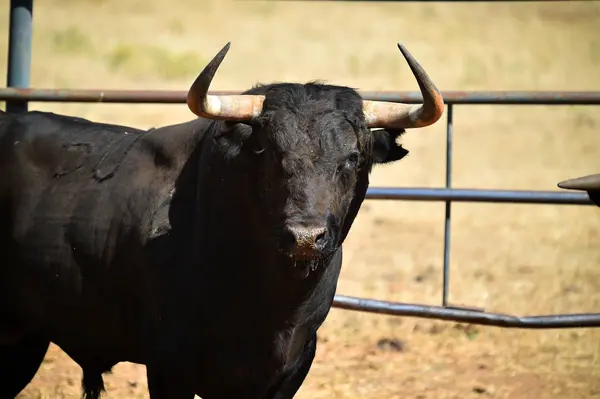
464, 315
437, 1
178, 97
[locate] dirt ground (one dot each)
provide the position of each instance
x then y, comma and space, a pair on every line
520, 259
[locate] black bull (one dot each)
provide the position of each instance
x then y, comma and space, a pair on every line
208, 251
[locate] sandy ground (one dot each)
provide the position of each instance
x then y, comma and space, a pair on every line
520, 259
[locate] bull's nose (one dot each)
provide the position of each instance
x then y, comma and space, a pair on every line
304, 241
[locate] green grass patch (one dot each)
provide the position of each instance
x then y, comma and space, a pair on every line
71, 40
176, 27
262, 8
146, 60
474, 71
594, 49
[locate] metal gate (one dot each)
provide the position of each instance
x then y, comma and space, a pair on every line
18, 94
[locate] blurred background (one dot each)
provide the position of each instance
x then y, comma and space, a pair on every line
518, 259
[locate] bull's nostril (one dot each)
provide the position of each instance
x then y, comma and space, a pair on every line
288, 240
321, 239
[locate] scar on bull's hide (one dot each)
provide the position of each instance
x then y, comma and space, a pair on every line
76, 155
114, 155
160, 219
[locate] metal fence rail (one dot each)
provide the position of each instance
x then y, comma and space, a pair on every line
435, 1
18, 94
178, 96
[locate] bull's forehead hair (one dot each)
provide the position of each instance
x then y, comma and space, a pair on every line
310, 113
294, 96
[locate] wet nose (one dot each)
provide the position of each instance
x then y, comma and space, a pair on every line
304, 241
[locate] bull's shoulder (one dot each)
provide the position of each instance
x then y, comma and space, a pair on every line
61, 165
116, 171
71, 183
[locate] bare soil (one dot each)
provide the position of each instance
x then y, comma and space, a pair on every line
517, 259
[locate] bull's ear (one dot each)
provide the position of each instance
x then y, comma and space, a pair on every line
385, 147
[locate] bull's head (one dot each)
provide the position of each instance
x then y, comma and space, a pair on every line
309, 150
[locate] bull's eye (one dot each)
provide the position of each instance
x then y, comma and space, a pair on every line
352, 160
350, 163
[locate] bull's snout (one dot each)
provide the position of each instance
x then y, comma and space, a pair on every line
305, 241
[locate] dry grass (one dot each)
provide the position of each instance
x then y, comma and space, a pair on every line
520, 259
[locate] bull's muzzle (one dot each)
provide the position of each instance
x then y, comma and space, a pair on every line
305, 242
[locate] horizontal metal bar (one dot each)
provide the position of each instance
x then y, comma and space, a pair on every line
466, 315
437, 1
177, 97
473, 195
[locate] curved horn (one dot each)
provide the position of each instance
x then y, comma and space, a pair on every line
380, 114
240, 107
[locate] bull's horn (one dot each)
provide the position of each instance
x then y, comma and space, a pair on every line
590, 182
381, 114
240, 107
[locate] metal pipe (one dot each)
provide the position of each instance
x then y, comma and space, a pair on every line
179, 97
464, 315
446, 276
441, 1
19, 51
473, 195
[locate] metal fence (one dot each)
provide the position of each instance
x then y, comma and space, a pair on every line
18, 94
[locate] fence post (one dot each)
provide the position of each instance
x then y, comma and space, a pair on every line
19, 50
449, 131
